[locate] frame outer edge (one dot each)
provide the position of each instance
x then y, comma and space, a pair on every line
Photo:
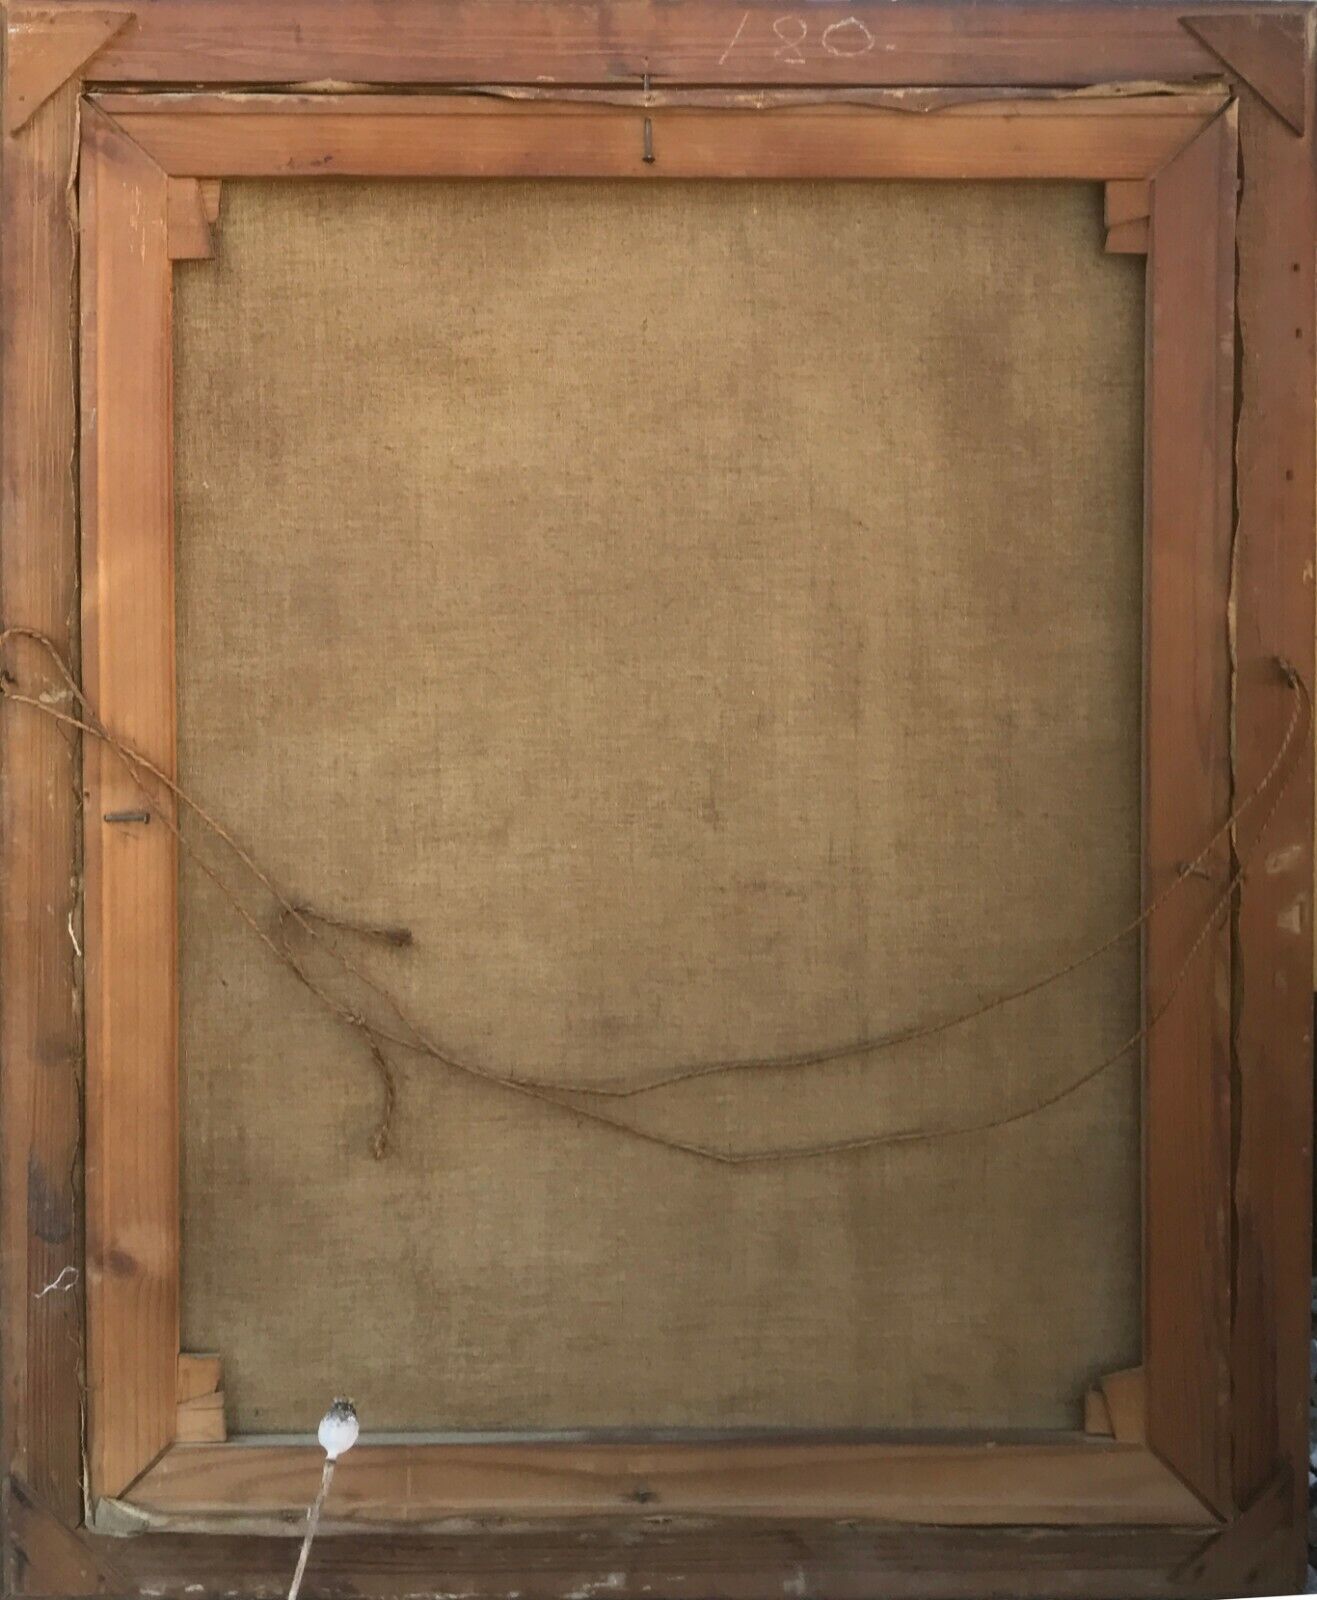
1277, 508
377, 42
40, 904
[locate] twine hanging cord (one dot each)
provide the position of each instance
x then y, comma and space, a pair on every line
595, 1102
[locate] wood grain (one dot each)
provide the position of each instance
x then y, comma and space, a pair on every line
131, 921
700, 41
40, 1019
1078, 1480
1187, 789
46, 46
634, 1559
1273, 932
211, 136
1240, 1559
1263, 49
45, 1556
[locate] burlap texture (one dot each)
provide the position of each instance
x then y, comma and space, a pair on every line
708, 615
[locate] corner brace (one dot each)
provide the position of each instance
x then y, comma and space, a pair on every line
1268, 53
48, 45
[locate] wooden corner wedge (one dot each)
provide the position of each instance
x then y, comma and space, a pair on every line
199, 1375
1116, 1408
1126, 205
1269, 53
1126, 200
1128, 238
201, 1421
1097, 1415
193, 207
47, 45
200, 1400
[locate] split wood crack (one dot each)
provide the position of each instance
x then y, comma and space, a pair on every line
595, 1102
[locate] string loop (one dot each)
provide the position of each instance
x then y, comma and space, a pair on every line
593, 1102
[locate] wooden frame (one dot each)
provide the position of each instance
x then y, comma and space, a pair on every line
1197, 1486
133, 148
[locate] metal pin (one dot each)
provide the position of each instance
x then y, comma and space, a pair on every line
648, 153
127, 816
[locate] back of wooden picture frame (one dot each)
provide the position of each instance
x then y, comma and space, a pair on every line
1196, 1455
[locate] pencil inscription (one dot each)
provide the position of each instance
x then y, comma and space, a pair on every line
792, 31
849, 37
846, 37
731, 43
